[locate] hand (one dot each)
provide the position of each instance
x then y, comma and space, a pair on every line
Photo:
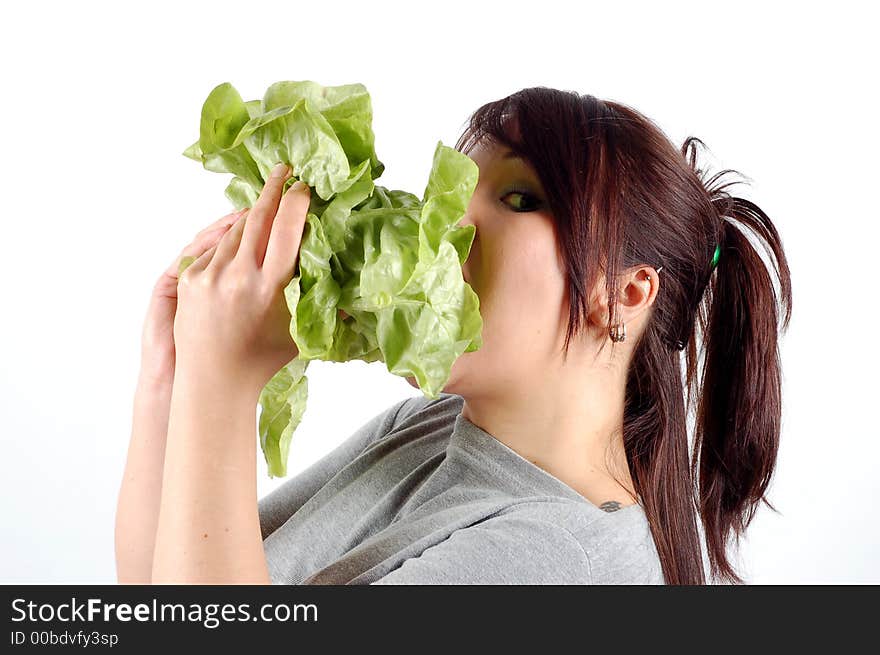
232, 322
157, 336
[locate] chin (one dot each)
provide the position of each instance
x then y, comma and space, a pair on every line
447, 388
455, 375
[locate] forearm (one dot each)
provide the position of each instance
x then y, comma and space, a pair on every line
208, 529
137, 510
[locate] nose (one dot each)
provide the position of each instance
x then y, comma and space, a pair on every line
466, 220
467, 217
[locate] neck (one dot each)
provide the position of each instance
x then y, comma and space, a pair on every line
569, 425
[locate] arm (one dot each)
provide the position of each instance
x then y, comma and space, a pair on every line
231, 335
208, 528
137, 509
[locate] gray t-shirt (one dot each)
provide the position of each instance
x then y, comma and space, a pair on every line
420, 495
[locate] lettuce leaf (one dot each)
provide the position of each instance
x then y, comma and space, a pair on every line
388, 259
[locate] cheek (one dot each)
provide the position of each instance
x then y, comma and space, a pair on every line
526, 290
520, 285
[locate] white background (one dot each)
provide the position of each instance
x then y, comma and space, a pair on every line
99, 100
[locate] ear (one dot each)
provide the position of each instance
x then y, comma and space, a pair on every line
638, 289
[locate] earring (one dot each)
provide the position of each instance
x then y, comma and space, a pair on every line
618, 332
648, 275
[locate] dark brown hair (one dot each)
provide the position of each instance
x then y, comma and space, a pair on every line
623, 195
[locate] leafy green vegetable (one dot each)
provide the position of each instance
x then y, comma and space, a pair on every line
388, 259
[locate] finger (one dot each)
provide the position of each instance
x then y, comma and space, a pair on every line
203, 240
227, 220
230, 243
199, 245
201, 262
286, 235
256, 232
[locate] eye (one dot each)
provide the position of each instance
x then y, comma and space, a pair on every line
524, 201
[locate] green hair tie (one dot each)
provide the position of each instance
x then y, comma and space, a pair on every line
715, 257
680, 343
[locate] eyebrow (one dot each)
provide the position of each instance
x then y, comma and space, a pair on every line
511, 154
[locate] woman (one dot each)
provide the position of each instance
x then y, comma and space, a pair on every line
558, 452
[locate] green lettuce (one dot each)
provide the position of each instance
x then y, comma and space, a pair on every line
388, 259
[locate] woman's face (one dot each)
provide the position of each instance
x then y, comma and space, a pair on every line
516, 270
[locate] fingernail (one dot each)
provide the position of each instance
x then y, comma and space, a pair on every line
280, 170
299, 185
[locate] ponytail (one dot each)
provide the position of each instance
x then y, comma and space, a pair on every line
740, 405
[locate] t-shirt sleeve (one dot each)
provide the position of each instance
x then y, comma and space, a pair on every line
281, 503
504, 549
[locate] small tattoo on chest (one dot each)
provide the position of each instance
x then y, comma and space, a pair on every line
610, 506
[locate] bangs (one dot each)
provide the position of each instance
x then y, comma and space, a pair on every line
495, 122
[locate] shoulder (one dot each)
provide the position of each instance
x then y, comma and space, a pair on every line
410, 410
412, 418
511, 547
618, 546
418, 409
